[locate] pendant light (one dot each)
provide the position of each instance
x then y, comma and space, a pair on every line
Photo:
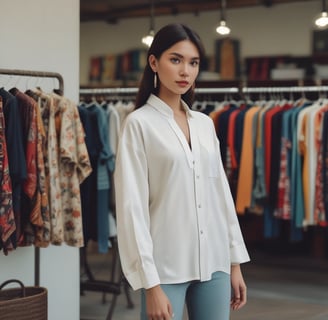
148, 39
322, 20
223, 29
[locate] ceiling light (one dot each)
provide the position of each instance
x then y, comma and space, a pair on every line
322, 20
148, 39
223, 29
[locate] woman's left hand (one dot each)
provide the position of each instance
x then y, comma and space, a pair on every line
239, 290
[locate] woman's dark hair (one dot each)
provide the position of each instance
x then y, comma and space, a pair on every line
163, 40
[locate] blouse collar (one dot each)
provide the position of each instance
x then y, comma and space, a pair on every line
165, 109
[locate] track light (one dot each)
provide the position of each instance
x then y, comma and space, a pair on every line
148, 39
223, 29
322, 20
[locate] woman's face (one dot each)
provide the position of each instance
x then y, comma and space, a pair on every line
177, 68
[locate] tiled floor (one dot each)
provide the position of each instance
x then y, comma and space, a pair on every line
277, 290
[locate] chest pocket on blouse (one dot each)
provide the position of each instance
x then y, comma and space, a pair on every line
213, 170
211, 161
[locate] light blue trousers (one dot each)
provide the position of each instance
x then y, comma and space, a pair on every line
208, 300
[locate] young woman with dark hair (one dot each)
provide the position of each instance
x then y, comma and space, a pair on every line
165, 38
178, 233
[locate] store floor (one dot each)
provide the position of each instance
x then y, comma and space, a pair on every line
277, 290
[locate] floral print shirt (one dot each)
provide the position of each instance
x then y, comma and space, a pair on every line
67, 165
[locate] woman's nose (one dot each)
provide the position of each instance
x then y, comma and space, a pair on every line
184, 69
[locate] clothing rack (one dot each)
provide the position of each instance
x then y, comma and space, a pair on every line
92, 285
133, 90
290, 89
37, 74
209, 90
119, 90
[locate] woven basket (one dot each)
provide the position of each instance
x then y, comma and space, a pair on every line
24, 303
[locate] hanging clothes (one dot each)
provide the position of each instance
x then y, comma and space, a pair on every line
48, 162
31, 197
7, 219
277, 148
245, 178
16, 158
43, 231
325, 160
319, 206
102, 121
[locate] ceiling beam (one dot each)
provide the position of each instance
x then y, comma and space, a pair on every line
102, 11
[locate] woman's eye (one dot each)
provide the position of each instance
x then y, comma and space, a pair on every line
194, 63
175, 60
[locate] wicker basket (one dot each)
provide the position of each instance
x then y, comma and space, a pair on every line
24, 303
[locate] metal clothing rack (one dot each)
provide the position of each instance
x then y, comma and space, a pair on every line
113, 286
234, 88
37, 74
132, 90
98, 91
288, 89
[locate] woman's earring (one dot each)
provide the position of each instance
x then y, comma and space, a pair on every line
155, 80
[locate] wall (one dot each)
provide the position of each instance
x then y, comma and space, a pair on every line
281, 29
43, 35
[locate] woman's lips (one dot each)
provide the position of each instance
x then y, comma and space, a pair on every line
182, 83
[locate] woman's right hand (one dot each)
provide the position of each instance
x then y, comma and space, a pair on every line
158, 305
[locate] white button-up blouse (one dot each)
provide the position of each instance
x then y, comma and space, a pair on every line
176, 219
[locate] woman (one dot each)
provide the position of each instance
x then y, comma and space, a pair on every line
178, 233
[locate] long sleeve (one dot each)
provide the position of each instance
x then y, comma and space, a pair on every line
131, 189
